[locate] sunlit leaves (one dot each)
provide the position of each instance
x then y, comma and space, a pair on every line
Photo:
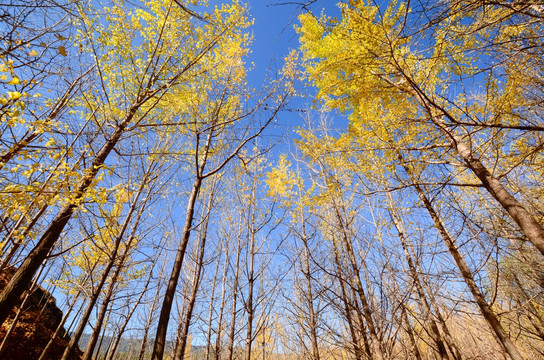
280, 180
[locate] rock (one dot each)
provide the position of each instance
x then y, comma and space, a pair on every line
35, 326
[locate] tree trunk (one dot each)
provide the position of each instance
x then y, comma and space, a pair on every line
143, 345
179, 351
356, 343
74, 340
435, 333
251, 275
230, 347
113, 348
527, 223
113, 281
23, 277
102, 313
485, 309
218, 348
164, 318
397, 295
210, 311
367, 311
310, 297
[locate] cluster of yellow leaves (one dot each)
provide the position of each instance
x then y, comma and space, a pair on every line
280, 180
97, 250
12, 105
363, 64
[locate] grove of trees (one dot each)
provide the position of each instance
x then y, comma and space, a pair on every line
176, 211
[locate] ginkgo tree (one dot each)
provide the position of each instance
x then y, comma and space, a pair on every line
451, 81
440, 99
156, 66
31, 127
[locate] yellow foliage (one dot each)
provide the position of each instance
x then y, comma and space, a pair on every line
280, 180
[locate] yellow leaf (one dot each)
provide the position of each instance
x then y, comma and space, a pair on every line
33, 53
62, 50
14, 81
14, 95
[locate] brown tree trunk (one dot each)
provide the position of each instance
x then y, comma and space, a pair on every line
348, 306
310, 296
532, 229
251, 274
143, 345
113, 281
115, 343
23, 277
179, 351
164, 318
211, 308
397, 293
485, 309
377, 346
87, 313
102, 313
414, 348
111, 263
219, 331
230, 346
435, 333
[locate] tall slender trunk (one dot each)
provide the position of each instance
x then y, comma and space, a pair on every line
23, 277
179, 351
87, 313
102, 313
251, 275
230, 347
410, 331
211, 308
435, 333
309, 295
485, 308
164, 318
219, 330
113, 348
448, 338
113, 281
348, 307
397, 293
377, 346
149, 321
109, 266
249, 304
102, 333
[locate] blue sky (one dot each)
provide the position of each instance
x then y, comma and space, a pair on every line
274, 36
274, 33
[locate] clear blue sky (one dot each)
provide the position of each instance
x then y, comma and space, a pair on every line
274, 36
273, 31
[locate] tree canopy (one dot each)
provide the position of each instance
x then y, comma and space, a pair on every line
378, 196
